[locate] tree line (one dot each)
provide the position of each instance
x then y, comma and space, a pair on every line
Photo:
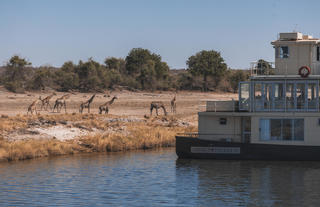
140, 70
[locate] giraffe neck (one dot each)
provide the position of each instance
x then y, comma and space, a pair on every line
112, 100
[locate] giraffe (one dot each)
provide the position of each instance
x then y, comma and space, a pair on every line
46, 102
60, 102
86, 104
157, 105
173, 104
33, 106
105, 107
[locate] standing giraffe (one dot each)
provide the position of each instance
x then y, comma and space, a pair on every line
105, 107
33, 107
46, 102
157, 105
60, 102
173, 105
86, 104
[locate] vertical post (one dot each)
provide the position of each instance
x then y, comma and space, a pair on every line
317, 95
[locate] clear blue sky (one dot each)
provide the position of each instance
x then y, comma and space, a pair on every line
52, 32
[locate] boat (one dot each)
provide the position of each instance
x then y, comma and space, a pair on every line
276, 116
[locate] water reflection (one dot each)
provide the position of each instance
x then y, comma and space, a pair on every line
251, 183
156, 178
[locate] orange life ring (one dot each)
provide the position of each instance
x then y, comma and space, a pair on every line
304, 71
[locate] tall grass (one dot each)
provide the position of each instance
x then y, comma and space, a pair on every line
126, 136
28, 149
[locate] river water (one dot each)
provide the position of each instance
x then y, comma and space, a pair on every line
157, 178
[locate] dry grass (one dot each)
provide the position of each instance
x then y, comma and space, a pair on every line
139, 136
28, 149
147, 134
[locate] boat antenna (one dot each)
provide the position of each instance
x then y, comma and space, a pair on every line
295, 28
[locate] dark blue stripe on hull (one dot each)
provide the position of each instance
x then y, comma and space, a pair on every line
187, 147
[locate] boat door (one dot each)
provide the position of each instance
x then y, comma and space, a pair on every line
246, 129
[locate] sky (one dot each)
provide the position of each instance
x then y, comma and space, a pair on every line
53, 32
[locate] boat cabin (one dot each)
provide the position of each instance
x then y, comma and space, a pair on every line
280, 102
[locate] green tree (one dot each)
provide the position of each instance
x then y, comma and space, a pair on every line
237, 76
66, 77
89, 73
15, 74
264, 68
207, 63
147, 67
147, 75
41, 78
117, 64
136, 58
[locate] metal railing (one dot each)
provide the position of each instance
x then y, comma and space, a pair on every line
262, 68
222, 106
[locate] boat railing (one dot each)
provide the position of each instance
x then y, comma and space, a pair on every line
222, 106
262, 67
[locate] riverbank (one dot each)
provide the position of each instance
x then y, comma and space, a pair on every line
27, 137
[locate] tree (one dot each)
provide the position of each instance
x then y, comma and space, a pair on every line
237, 76
89, 74
66, 77
136, 58
147, 75
15, 74
264, 68
117, 64
207, 63
147, 67
41, 78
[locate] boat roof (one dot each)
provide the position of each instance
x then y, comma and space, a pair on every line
284, 77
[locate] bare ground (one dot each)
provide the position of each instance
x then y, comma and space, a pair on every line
129, 104
128, 125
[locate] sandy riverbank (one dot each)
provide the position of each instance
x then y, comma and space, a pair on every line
128, 126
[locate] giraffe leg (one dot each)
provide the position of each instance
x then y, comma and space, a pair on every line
49, 106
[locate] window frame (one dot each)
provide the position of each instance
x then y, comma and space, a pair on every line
266, 135
283, 55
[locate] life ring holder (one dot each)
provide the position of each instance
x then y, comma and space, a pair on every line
304, 71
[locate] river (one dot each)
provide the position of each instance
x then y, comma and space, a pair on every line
157, 178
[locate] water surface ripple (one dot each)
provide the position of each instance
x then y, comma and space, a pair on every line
157, 178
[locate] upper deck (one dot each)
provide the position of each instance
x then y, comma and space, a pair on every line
290, 84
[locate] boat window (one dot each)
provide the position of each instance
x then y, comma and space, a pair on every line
258, 100
223, 121
282, 129
300, 95
284, 52
312, 96
267, 95
278, 96
264, 129
318, 53
244, 98
290, 95
287, 129
298, 129
275, 129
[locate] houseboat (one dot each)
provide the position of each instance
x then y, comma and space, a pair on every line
277, 115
